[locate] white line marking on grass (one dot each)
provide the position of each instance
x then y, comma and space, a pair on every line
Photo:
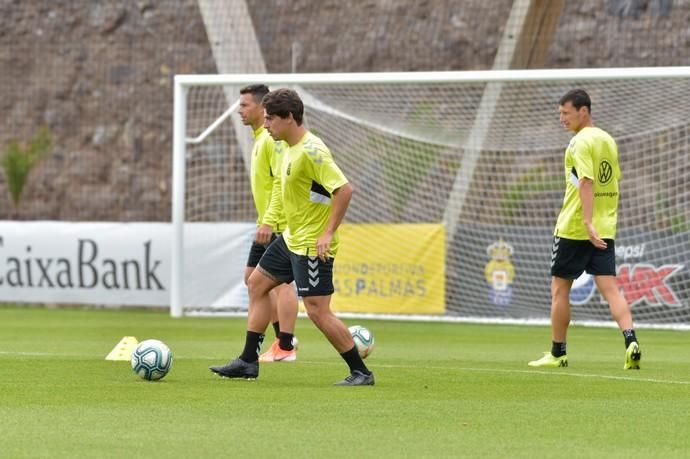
577, 375
556, 372
35, 354
49, 354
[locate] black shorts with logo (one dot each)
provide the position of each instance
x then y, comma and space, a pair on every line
570, 258
256, 252
312, 276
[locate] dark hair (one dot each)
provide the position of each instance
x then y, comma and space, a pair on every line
282, 102
578, 97
256, 90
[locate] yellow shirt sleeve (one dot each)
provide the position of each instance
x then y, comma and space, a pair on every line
326, 172
584, 162
274, 212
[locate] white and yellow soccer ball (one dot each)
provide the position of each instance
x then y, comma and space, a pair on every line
364, 340
152, 359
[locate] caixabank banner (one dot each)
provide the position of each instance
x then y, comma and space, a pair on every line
121, 263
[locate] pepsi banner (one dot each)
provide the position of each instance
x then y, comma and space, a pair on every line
499, 271
640, 282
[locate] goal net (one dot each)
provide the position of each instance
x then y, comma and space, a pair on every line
458, 180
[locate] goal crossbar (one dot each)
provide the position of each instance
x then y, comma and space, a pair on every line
471, 76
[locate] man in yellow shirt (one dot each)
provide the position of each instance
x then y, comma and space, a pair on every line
266, 160
586, 229
316, 195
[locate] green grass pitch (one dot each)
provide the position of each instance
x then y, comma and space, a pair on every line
442, 390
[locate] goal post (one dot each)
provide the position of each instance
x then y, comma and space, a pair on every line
458, 180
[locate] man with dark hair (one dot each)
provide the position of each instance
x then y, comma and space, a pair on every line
266, 160
316, 195
578, 98
586, 229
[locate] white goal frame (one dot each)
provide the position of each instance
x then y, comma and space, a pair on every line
182, 84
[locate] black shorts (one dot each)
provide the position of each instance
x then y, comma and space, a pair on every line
257, 251
312, 276
570, 258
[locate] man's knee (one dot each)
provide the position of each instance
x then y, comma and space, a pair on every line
316, 309
286, 290
247, 274
608, 286
257, 287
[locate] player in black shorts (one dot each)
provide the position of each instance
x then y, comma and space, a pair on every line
316, 195
267, 156
585, 231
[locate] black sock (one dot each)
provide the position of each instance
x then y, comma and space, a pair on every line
276, 328
557, 349
629, 336
354, 361
286, 341
252, 346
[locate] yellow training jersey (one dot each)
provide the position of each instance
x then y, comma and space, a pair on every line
592, 153
267, 158
309, 177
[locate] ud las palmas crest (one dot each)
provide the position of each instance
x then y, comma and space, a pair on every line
499, 273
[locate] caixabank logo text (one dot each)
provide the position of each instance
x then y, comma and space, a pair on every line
83, 267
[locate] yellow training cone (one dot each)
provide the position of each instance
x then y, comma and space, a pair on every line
123, 349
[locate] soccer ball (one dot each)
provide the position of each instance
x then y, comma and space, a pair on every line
364, 340
152, 359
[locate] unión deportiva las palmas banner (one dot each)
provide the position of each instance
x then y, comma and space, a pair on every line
390, 269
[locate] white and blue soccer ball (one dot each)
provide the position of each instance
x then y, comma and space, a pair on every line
364, 340
152, 359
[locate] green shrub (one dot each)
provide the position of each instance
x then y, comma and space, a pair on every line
20, 158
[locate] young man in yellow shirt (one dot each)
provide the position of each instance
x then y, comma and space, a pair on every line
586, 229
266, 160
316, 195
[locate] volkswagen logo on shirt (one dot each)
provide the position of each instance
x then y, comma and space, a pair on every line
605, 172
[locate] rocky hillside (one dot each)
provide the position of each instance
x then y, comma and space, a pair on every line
99, 75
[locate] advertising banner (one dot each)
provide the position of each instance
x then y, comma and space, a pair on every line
390, 268
504, 271
121, 263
